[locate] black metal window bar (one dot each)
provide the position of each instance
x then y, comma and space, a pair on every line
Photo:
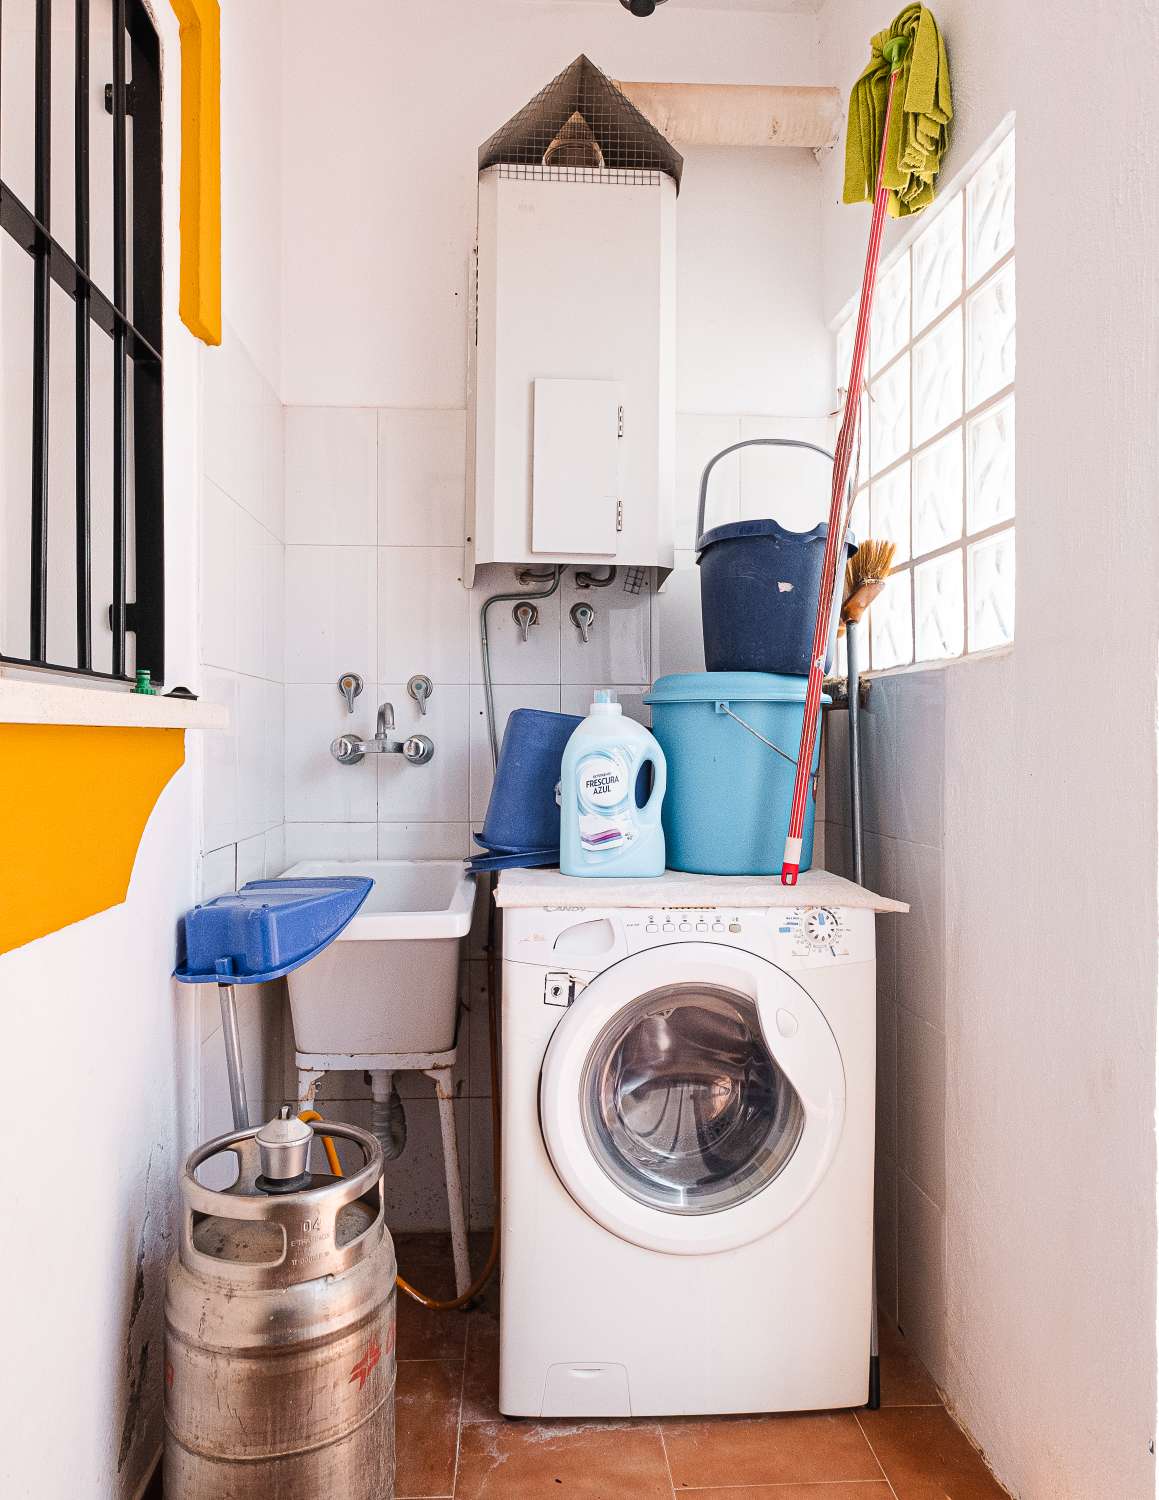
136, 525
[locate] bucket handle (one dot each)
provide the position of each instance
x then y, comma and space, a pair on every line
751, 443
723, 708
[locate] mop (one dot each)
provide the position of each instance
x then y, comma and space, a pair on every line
899, 111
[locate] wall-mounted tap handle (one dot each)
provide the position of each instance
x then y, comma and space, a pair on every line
350, 685
418, 749
345, 750
525, 615
583, 617
420, 687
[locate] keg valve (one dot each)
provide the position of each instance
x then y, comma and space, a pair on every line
284, 1147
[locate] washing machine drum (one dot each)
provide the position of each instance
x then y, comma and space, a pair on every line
694, 1105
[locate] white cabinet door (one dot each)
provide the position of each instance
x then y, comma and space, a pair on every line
575, 469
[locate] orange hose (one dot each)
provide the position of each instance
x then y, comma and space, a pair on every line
309, 1115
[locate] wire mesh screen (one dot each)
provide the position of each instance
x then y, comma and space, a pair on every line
581, 128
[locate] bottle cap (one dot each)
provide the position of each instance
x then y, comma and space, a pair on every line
604, 701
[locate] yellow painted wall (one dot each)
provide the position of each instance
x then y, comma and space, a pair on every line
74, 801
200, 299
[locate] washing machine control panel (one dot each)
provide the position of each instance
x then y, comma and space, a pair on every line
794, 937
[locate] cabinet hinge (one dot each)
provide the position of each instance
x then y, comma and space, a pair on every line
619, 421
619, 515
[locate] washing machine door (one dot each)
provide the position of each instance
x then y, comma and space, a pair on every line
692, 1098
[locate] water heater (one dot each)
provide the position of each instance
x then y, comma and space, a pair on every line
573, 359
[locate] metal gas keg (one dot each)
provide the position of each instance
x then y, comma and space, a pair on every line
280, 1326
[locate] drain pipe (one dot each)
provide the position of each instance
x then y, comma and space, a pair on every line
740, 114
388, 1119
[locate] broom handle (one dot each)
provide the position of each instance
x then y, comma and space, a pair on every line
791, 863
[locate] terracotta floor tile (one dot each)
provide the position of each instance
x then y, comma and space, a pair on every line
427, 1425
536, 1461
796, 1449
481, 1381
905, 1381
926, 1456
854, 1490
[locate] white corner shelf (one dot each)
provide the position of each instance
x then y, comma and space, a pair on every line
107, 707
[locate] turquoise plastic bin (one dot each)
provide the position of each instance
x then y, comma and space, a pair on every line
726, 811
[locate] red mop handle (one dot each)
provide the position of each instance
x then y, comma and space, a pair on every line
834, 542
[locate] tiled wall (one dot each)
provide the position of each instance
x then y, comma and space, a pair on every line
903, 768
241, 635
374, 516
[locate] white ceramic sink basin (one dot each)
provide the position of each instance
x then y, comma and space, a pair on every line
389, 984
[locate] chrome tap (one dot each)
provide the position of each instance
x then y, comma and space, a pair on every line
347, 750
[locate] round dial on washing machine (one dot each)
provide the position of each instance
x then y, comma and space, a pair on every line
821, 927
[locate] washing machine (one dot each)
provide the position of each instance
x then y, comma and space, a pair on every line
688, 1119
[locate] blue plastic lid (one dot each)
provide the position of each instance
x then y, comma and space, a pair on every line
729, 687
267, 928
734, 529
531, 859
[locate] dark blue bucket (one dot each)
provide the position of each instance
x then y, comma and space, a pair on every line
523, 813
759, 586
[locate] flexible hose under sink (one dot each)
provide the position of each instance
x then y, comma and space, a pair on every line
310, 1115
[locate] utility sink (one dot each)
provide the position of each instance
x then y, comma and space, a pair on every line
389, 984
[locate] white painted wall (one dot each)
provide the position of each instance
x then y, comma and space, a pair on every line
382, 120
1042, 1250
99, 1116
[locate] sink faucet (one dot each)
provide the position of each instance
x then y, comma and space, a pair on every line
348, 750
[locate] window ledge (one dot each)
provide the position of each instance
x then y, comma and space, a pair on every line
24, 702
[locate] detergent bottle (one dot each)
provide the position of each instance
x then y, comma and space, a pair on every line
604, 829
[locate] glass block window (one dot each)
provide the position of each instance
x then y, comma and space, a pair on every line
937, 447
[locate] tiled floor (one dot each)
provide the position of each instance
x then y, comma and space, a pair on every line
452, 1441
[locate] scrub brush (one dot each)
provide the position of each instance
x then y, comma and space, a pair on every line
865, 575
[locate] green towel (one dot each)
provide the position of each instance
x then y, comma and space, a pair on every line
919, 122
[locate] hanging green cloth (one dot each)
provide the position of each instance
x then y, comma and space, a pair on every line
919, 121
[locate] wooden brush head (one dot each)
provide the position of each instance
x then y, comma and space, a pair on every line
865, 575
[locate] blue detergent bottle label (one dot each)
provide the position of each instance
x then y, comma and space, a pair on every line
605, 788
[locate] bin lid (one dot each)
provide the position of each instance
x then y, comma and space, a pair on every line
729, 687
766, 527
267, 928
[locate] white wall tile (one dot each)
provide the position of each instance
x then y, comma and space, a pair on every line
677, 640
576, 698
251, 859
331, 477
514, 659
885, 1233
921, 1275
250, 604
276, 862
619, 648
698, 438
259, 755
421, 478
423, 614
438, 791
481, 1193
352, 841
424, 840
220, 764
506, 700
921, 1104
218, 590
218, 873
914, 873
920, 737
331, 614
318, 789
788, 485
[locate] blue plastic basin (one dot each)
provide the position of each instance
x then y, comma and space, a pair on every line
726, 811
523, 814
